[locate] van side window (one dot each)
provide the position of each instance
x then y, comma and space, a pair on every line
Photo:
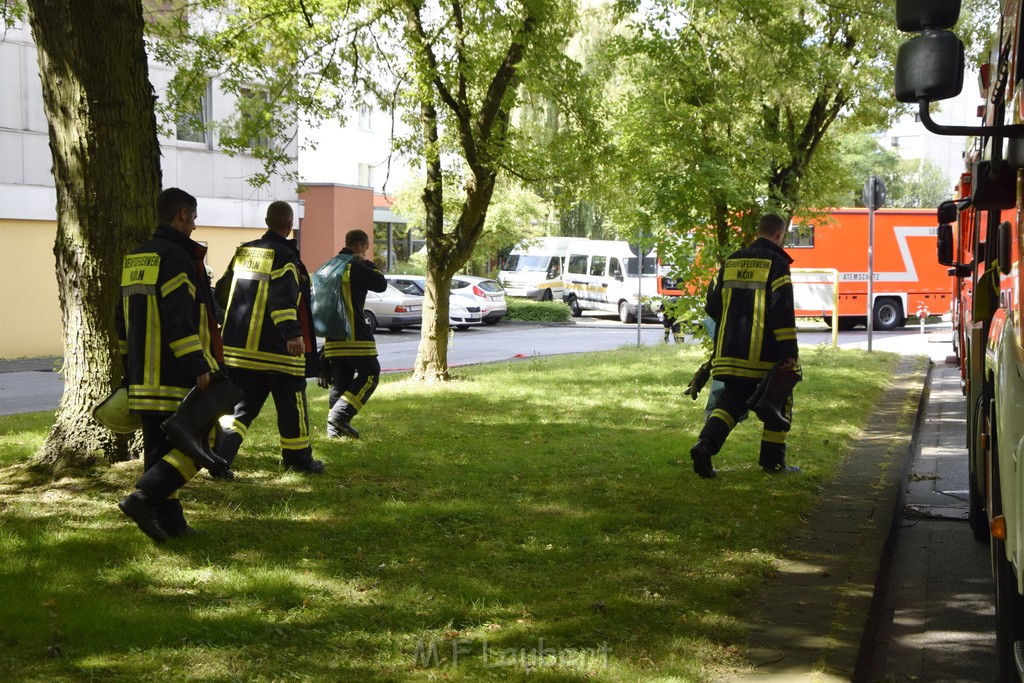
554, 268
578, 264
597, 264
615, 268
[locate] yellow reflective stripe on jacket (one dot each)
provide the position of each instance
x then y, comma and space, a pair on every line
757, 325
782, 282
186, 345
284, 270
336, 349
206, 339
179, 280
151, 369
346, 297
283, 315
785, 334
264, 360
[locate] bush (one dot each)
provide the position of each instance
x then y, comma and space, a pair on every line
537, 311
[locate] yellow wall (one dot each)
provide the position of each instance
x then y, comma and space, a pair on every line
30, 322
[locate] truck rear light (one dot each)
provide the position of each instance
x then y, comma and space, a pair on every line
998, 527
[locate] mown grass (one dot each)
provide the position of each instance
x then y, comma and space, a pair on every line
545, 504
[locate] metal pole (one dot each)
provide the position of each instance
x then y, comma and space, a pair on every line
871, 257
639, 291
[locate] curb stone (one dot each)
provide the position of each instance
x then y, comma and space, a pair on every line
815, 619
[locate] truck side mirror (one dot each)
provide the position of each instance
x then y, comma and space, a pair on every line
1005, 246
916, 15
947, 212
930, 67
944, 242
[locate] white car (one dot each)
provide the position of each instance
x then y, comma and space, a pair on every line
463, 311
487, 292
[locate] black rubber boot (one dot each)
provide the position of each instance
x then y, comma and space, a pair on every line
338, 421
142, 510
701, 456
190, 426
769, 401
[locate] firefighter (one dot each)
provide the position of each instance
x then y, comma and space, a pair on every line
269, 344
169, 343
354, 369
752, 306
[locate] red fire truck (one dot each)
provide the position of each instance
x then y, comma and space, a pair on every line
979, 240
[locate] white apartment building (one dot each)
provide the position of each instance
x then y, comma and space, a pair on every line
230, 210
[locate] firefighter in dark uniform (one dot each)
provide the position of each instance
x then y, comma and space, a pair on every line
269, 344
169, 343
752, 306
354, 369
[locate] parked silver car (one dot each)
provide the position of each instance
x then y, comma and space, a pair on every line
392, 309
463, 311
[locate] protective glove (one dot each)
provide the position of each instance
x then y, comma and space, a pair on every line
700, 378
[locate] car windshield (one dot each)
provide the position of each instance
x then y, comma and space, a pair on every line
527, 264
650, 266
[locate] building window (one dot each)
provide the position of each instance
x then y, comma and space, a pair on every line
192, 124
365, 117
366, 175
250, 102
894, 141
800, 236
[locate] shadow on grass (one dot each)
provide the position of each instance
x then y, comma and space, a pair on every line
512, 515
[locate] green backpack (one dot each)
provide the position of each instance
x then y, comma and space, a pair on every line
329, 319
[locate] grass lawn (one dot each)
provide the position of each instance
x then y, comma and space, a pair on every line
547, 505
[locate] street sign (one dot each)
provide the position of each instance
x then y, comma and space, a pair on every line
641, 250
873, 193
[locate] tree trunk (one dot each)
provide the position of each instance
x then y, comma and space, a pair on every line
106, 164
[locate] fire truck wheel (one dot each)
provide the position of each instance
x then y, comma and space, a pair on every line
977, 516
888, 314
1009, 602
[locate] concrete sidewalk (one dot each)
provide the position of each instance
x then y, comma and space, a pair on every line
811, 621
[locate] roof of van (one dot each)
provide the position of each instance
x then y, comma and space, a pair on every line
601, 247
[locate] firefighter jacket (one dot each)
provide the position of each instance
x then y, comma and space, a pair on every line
166, 331
358, 278
751, 301
265, 294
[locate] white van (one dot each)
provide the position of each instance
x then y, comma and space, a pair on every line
534, 269
603, 275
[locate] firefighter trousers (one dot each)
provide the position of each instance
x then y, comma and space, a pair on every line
353, 381
165, 470
289, 394
731, 408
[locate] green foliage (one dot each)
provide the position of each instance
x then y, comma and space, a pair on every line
515, 214
722, 109
537, 311
551, 503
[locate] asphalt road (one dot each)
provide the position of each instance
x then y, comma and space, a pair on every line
27, 386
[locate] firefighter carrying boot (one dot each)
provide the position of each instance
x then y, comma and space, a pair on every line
190, 426
770, 400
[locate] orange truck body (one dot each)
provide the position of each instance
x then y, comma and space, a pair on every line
907, 278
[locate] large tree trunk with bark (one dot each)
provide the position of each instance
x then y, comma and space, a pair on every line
106, 164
